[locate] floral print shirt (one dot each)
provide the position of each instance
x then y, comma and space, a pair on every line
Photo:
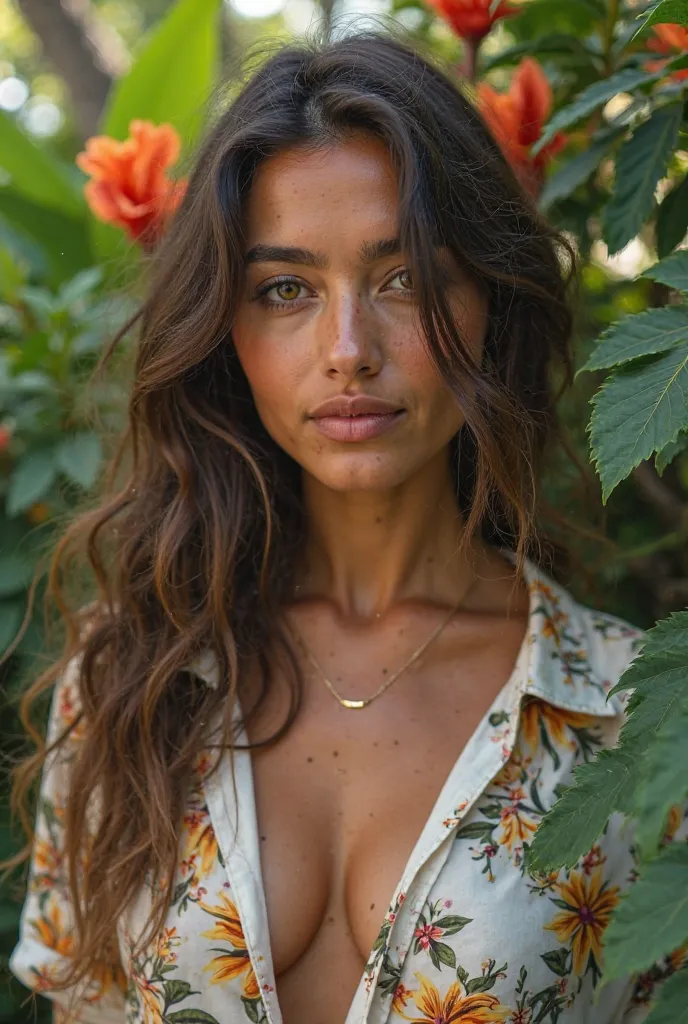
471, 934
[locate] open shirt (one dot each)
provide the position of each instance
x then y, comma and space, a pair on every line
470, 934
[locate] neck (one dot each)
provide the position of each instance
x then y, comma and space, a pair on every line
368, 550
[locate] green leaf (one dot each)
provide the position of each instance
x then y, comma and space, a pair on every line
80, 457
31, 480
652, 920
79, 287
594, 96
661, 11
672, 218
664, 780
671, 271
476, 830
190, 1017
172, 77
15, 574
636, 413
62, 237
452, 923
176, 990
557, 961
578, 818
670, 451
577, 170
11, 616
445, 954
672, 1005
639, 334
641, 162
35, 174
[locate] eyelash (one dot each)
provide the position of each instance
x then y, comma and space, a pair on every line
262, 293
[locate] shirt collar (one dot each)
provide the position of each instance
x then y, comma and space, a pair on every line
557, 653
561, 664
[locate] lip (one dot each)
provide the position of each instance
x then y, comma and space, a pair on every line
356, 417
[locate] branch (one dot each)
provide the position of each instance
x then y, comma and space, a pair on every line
668, 505
85, 52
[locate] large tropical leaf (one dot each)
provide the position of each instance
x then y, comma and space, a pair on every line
641, 162
672, 1005
637, 412
63, 238
173, 74
34, 173
672, 218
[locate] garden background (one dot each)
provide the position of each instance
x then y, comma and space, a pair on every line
588, 100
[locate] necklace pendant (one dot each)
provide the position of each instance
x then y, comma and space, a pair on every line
352, 703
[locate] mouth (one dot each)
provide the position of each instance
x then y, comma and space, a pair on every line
360, 427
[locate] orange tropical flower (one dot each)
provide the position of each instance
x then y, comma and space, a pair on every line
670, 41
129, 185
236, 961
516, 119
457, 1005
471, 19
5, 437
589, 905
38, 513
556, 721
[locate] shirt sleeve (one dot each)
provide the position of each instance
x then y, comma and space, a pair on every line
46, 939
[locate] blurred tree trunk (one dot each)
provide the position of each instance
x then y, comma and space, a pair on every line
83, 50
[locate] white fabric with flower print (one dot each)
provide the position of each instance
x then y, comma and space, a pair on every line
471, 934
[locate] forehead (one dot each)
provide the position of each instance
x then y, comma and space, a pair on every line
347, 187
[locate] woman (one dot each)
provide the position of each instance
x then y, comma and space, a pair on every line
302, 738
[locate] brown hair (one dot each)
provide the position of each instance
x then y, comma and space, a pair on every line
194, 548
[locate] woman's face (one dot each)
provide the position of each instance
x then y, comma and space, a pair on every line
329, 313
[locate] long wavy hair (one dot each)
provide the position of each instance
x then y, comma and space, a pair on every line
193, 541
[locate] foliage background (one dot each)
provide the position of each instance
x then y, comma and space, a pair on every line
74, 68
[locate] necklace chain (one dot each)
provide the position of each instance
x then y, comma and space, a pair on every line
358, 704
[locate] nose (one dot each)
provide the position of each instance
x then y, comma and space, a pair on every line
352, 338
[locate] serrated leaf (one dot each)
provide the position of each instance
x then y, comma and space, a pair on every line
641, 162
639, 334
569, 830
636, 413
576, 171
652, 920
672, 1004
664, 780
662, 11
671, 271
31, 480
672, 218
592, 97
80, 457
669, 453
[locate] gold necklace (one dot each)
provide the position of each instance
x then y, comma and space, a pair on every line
357, 704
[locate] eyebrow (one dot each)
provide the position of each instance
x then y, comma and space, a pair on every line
369, 252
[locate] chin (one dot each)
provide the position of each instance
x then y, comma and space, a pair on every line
372, 471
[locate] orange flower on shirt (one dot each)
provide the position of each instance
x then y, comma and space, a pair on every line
669, 41
471, 19
457, 1005
516, 826
129, 184
556, 721
51, 931
236, 961
589, 903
